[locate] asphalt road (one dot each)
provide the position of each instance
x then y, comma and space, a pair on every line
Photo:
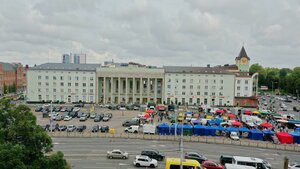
90, 153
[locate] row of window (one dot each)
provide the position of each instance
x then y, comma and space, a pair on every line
55, 98
69, 90
62, 78
239, 94
198, 101
69, 84
192, 87
239, 88
197, 81
197, 93
197, 75
239, 81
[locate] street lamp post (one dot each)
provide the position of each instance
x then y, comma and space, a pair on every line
273, 87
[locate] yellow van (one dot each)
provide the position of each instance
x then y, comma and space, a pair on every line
180, 117
174, 163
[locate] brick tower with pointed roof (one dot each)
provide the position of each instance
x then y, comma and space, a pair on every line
242, 61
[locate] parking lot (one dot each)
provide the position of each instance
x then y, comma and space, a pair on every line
118, 117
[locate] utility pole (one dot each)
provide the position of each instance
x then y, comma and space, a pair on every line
286, 163
181, 147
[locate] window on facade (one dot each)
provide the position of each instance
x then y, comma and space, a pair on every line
238, 81
183, 87
206, 87
222, 81
205, 93
169, 86
238, 88
61, 83
61, 78
40, 97
47, 77
83, 84
191, 80
213, 93
198, 93
47, 83
69, 77
39, 90
191, 93
91, 84
54, 77
246, 81
199, 81
91, 78
191, 100
214, 81
220, 94
91, 90
54, 97
39, 77
176, 80
183, 80
76, 84
168, 93
169, 80
191, 87
54, 90
69, 84
221, 88
183, 93
40, 83
238, 94
76, 77
198, 87
246, 87
220, 102
83, 90
69, 90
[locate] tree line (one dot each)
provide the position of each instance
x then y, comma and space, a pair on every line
285, 79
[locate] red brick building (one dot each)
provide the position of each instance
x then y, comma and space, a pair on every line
12, 74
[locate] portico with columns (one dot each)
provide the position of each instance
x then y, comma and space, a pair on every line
130, 84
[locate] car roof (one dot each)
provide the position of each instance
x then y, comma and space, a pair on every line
141, 156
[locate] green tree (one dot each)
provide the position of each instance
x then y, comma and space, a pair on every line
23, 142
14, 88
256, 68
5, 88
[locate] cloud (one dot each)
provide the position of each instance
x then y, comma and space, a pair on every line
171, 32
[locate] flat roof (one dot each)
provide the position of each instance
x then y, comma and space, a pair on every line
199, 70
66, 66
250, 159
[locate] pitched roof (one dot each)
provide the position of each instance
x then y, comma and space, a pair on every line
66, 66
242, 54
7, 66
200, 70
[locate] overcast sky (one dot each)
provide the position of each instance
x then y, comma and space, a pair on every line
153, 32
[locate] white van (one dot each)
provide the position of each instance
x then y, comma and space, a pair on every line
132, 129
236, 166
251, 161
149, 129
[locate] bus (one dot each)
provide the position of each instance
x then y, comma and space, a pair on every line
251, 161
174, 163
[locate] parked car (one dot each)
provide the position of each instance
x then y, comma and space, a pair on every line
234, 136
116, 153
67, 118
97, 118
81, 128
79, 114
144, 161
128, 123
87, 115
73, 114
69, 109
195, 156
79, 105
154, 154
93, 115
294, 165
104, 129
38, 109
59, 118
211, 165
65, 114
63, 109
296, 109
83, 117
71, 128
76, 109
62, 128
95, 128
226, 159
106, 117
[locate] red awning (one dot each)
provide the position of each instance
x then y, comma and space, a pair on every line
236, 123
266, 125
248, 112
149, 111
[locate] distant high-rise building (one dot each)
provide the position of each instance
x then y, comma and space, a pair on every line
66, 58
79, 58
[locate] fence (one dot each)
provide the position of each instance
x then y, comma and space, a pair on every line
200, 139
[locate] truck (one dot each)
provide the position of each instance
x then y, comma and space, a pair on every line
149, 129
132, 129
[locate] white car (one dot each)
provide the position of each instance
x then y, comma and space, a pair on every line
294, 166
234, 136
144, 161
71, 128
76, 109
67, 118
123, 108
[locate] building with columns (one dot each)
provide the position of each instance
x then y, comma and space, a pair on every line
130, 83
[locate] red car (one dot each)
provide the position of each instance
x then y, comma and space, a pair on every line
211, 165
